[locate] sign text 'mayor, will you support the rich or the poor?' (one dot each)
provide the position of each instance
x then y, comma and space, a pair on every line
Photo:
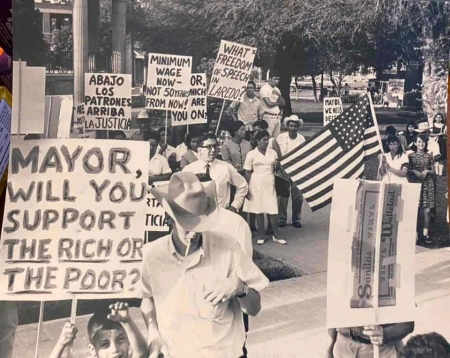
168, 82
108, 101
74, 220
232, 71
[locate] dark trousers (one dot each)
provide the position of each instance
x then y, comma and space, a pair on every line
246, 326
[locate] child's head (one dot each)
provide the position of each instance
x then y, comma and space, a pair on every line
107, 338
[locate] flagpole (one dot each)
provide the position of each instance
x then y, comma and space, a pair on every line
374, 116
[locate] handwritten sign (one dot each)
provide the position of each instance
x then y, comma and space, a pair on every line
232, 71
355, 231
196, 109
332, 107
168, 82
74, 220
108, 101
79, 124
155, 217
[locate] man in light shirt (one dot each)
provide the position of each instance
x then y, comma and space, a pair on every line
271, 100
224, 174
196, 284
246, 111
288, 141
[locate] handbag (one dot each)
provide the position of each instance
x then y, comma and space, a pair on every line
282, 185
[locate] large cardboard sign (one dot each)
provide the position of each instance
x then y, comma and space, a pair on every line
155, 217
29, 99
74, 220
332, 107
232, 71
108, 101
168, 82
352, 250
196, 109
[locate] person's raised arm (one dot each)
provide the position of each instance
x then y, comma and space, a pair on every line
120, 313
68, 335
232, 108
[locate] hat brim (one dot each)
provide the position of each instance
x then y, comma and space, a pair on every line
299, 121
200, 223
421, 130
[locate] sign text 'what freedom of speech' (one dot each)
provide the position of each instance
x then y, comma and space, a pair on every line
74, 220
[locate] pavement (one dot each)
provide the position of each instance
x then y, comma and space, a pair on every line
292, 322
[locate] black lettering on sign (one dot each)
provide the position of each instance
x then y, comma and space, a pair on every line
11, 273
50, 216
197, 81
119, 157
106, 217
48, 195
99, 189
24, 249
88, 280
10, 218
90, 169
104, 248
10, 244
64, 248
51, 160
36, 221
124, 248
38, 278
87, 215
20, 194
72, 275
126, 215
122, 192
48, 285
143, 194
70, 215
18, 159
118, 277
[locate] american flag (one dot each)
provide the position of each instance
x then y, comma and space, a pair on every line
339, 150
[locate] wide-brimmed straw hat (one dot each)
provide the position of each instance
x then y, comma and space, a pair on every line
423, 127
293, 118
190, 203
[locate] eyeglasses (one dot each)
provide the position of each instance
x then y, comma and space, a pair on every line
209, 147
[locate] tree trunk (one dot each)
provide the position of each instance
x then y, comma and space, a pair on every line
313, 78
284, 65
321, 86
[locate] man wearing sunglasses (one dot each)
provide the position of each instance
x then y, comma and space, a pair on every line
224, 174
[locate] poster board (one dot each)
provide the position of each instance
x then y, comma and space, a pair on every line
332, 107
29, 101
351, 253
107, 101
396, 91
197, 105
232, 70
155, 216
74, 220
168, 82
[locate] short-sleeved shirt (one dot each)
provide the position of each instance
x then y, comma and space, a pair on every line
158, 165
247, 111
191, 326
170, 151
287, 144
137, 135
266, 92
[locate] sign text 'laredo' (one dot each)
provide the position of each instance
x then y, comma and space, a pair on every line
108, 101
74, 220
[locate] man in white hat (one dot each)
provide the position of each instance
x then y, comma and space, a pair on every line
287, 142
196, 284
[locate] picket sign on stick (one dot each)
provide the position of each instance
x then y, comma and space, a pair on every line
41, 319
187, 129
220, 117
73, 316
165, 125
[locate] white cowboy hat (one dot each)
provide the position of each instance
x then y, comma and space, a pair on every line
423, 127
293, 118
188, 202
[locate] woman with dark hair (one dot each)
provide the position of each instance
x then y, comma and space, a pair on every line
191, 155
439, 133
394, 165
430, 345
421, 170
262, 198
407, 138
235, 150
120, 135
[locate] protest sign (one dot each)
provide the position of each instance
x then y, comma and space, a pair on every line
74, 220
155, 217
352, 251
29, 102
107, 101
332, 107
232, 71
196, 109
168, 82
396, 91
79, 130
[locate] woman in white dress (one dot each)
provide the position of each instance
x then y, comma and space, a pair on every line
394, 165
262, 199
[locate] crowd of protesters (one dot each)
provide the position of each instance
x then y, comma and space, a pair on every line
417, 155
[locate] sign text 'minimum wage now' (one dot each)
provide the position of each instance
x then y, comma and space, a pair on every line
168, 82
74, 220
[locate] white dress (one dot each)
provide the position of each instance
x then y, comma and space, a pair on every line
263, 198
397, 164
